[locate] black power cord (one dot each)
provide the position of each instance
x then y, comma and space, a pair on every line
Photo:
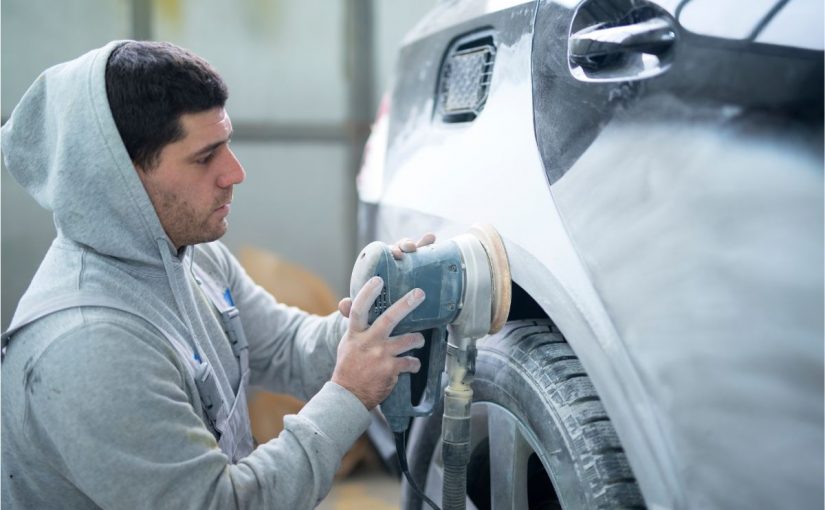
401, 448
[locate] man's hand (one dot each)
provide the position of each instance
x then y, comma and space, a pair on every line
368, 364
405, 245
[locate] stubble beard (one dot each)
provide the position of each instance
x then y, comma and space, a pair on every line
185, 226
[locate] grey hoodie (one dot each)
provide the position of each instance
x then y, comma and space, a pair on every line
98, 409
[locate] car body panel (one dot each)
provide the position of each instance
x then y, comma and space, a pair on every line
671, 227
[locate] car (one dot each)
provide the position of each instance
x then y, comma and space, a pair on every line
655, 169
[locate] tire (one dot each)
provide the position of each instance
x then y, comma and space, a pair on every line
540, 435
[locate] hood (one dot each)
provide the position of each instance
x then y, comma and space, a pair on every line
62, 145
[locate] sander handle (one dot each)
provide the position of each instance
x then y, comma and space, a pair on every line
398, 408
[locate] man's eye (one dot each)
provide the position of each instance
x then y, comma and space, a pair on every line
206, 159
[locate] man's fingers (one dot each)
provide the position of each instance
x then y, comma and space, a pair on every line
404, 343
408, 364
344, 306
407, 245
426, 240
400, 309
360, 308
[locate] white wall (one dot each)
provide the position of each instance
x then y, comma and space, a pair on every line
34, 35
286, 67
282, 60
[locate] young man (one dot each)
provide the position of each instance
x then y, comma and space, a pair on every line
125, 374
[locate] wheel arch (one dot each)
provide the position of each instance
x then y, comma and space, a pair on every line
611, 370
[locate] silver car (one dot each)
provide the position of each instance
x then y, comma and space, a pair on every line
655, 169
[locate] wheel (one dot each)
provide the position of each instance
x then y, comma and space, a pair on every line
540, 436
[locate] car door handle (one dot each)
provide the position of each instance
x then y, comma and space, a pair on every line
594, 47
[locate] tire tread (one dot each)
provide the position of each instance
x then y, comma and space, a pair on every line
543, 352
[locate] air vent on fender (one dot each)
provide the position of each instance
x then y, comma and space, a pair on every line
464, 80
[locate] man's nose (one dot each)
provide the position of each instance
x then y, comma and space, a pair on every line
233, 173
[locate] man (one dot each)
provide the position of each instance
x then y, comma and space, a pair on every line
128, 358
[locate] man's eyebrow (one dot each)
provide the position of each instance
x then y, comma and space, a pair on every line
211, 147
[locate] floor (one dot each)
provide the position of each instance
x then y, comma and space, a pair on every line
368, 487
362, 481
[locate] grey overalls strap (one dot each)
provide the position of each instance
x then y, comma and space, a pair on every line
215, 406
81, 299
233, 424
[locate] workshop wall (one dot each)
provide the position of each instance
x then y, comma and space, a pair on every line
305, 79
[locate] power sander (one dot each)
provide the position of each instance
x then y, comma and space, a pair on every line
467, 285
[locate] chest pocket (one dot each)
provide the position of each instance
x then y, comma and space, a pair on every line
229, 417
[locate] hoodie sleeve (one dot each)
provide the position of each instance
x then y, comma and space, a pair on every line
291, 351
113, 402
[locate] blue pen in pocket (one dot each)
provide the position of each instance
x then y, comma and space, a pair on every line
227, 296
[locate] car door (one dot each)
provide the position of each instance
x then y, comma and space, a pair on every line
682, 142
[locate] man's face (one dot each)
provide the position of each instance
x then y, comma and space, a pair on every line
191, 187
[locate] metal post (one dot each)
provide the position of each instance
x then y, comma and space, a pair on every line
360, 74
142, 20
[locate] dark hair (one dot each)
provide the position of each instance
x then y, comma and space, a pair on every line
149, 85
